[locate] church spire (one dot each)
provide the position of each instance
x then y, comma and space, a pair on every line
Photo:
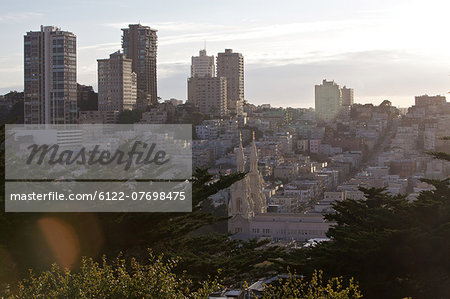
253, 155
240, 159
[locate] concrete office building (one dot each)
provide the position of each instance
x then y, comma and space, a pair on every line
203, 65
347, 96
231, 66
208, 94
50, 77
328, 100
139, 43
117, 86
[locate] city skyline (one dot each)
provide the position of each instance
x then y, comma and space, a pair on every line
383, 51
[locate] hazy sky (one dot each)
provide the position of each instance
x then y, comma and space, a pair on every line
383, 49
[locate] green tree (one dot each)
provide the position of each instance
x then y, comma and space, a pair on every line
117, 279
297, 287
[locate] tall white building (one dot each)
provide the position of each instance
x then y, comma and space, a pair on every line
203, 65
50, 76
328, 100
117, 84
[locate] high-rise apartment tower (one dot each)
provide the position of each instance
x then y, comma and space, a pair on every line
117, 86
139, 44
209, 95
50, 77
231, 66
203, 65
347, 96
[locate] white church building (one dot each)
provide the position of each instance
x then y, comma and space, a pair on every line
249, 217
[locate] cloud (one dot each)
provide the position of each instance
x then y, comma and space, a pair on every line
103, 46
167, 70
215, 33
18, 17
116, 25
173, 33
171, 26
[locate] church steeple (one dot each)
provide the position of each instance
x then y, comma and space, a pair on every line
253, 156
247, 195
240, 159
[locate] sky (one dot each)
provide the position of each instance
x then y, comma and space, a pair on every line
391, 50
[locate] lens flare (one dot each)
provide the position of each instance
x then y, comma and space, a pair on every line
62, 240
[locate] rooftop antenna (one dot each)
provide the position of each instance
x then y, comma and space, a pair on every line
204, 45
